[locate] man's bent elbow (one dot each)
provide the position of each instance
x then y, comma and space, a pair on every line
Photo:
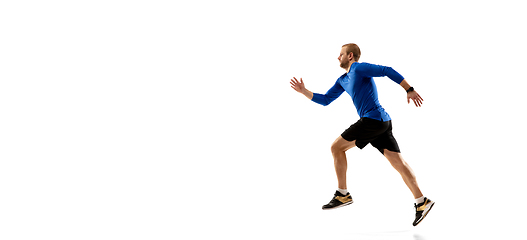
324, 103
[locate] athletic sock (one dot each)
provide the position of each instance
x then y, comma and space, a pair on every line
420, 200
343, 191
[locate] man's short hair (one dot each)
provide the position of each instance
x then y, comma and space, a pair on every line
353, 48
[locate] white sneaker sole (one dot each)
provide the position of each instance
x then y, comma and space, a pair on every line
345, 204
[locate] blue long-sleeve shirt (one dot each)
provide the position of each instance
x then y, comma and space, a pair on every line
359, 84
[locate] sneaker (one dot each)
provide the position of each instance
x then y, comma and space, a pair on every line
422, 210
339, 200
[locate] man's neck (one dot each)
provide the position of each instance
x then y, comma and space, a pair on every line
351, 63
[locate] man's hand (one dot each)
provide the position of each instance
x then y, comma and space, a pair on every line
418, 100
299, 87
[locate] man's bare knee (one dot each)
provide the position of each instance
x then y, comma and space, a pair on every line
341, 145
335, 148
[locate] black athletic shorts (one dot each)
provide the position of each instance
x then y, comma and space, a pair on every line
376, 132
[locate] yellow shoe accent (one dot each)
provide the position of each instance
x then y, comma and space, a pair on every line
423, 207
344, 199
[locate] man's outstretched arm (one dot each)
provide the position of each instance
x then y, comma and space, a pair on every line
322, 99
373, 70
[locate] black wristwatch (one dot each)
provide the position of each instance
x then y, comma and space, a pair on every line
410, 89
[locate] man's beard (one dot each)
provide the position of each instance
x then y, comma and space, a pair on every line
345, 65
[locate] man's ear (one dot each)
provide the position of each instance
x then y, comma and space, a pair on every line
350, 56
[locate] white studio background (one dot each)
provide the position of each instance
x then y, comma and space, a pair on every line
175, 120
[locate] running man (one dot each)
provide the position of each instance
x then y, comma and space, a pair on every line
374, 125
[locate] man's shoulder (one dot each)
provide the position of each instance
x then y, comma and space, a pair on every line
362, 65
365, 69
